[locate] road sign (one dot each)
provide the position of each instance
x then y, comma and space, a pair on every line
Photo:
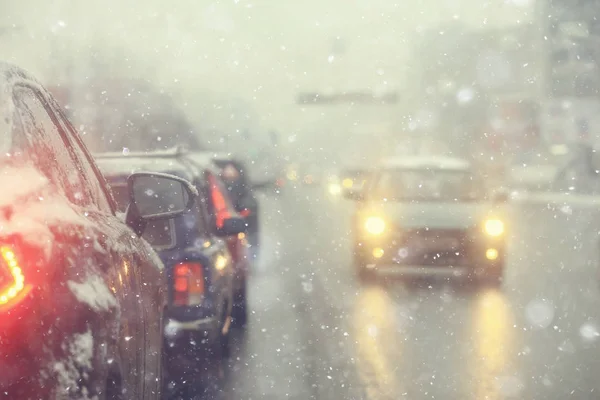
362, 97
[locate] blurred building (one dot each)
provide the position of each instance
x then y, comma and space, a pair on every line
570, 99
480, 86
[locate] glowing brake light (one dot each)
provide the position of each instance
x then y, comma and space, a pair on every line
188, 284
16, 289
219, 203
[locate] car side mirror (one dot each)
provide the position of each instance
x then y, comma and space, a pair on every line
353, 182
155, 196
262, 185
500, 196
232, 226
353, 194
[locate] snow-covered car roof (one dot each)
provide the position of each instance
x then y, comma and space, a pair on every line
427, 162
10, 75
113, 164
209, 157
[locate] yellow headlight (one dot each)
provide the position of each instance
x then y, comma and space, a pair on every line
335, 188
378, 252
375, 225
491, 254
494, 227
292, 175
347, 183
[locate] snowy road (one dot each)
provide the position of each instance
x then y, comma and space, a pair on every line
316, 333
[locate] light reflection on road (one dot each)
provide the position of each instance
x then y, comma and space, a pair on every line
490, 367
374, 330
491, 331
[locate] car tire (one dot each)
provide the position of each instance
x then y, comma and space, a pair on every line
114, 383
492, 278
212, 374
364, 275
224, 342
253, 239
240, 308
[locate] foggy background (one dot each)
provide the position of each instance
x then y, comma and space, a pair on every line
239, 65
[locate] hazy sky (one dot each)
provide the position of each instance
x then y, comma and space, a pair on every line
263, 51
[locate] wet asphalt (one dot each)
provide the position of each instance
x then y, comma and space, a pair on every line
316, 332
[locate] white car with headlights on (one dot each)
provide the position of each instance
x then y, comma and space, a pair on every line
428, 216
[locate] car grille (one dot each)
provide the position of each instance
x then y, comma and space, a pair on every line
433, 247
431, 235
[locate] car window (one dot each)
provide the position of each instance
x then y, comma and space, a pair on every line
232, 177
425, 185
96, 183
47, 147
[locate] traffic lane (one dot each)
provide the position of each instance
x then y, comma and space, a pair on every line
554, 296
288, 350
268, 357
534, 338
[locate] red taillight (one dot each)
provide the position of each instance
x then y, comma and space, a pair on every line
219, 203
14, 287
245, 212
188, 284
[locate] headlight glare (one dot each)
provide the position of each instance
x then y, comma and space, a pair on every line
375, 225
335, 189
494, 227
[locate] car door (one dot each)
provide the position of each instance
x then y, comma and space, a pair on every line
119, 242
147, 275
53, 152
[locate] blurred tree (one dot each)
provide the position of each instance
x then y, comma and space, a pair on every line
132, 114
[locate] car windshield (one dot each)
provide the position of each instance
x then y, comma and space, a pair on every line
554, 155
424, 185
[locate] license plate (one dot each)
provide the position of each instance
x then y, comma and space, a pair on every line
441, 243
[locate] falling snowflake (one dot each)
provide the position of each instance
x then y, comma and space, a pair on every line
589, 332
539, 313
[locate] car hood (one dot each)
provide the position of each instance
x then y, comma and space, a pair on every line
438, 215
533, 174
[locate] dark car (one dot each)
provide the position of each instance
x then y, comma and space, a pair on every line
234, 175
81, 295
203, 251
580, 171
427, 216
536, 169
